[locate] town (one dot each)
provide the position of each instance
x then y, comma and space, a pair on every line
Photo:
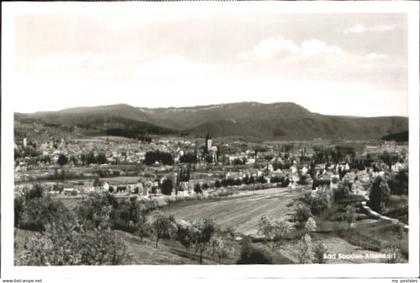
187, 166
176, 177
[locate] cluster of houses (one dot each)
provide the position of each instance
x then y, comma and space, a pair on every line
234, 161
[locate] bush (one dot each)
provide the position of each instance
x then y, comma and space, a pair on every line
302, 214
36, 192
254, 255
379, 194
39, 212
318, 202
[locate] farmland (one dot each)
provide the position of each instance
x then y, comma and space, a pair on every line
240, 212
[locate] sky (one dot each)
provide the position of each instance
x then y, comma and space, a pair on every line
340, 64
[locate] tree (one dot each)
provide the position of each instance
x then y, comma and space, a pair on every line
220, 248
274, 231
42, 211
184, 234
254, 255
303, 179
398, 232
389, 158
94, 211
399, 183
302, 214
188, 158
101, 158
379, 194
343, 190
350, 215
90, 158
97, 182
143, 228
265, 228
319, 250
310, 225
163, 227
203, 229
157, 156
281, 229
18, 209
37, 191
167, 187
65, 243
197, 188
304, 250
62, 160
318, 203
393, 253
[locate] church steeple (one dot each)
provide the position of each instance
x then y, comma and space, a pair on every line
208, 144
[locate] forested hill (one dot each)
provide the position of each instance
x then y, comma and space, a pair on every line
275, 121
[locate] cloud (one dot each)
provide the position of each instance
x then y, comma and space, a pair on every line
359, 28
316, 47
288, 50
274, 46
375, 56
313, 59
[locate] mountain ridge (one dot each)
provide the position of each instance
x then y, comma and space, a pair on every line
282, 120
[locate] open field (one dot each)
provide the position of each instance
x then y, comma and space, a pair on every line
240, 212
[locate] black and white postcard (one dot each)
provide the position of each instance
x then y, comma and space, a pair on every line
209, 140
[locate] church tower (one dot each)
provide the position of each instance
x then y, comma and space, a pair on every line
208, 143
